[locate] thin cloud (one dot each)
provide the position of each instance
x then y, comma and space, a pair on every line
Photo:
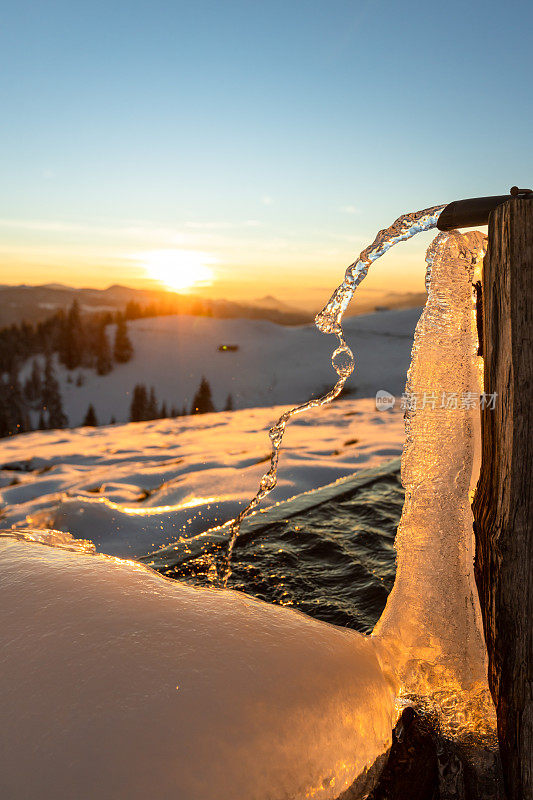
137, 231
41, 225
349, 209
134, 231
222, 225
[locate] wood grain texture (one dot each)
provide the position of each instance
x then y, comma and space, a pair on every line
503, 506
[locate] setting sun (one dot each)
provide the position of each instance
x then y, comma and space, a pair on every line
177, 269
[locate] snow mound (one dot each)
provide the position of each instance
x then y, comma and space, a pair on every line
212, 690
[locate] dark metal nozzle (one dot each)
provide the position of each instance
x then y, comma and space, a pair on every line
475, 210
467, 213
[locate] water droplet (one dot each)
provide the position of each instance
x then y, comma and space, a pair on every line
276, 433
268, 481
342, 360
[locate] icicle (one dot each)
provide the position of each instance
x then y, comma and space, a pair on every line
431, 623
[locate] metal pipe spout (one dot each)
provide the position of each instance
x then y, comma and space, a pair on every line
475, 210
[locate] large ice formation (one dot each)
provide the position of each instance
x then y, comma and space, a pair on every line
432, 623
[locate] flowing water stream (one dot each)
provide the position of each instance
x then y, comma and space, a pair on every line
329, 320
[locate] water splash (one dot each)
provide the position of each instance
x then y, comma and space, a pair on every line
329, 320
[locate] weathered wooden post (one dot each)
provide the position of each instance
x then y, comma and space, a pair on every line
503, 505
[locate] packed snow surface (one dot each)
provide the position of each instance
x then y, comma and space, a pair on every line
133, 488
118, 683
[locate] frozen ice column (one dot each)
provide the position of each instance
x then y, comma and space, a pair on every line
431, 624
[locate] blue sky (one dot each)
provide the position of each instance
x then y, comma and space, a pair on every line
271, 139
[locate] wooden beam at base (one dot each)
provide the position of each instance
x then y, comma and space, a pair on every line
503, 506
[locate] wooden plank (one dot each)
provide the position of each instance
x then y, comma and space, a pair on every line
503, 506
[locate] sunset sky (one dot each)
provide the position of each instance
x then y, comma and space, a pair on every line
246, 147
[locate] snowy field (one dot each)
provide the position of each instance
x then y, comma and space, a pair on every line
274, 364
132, 488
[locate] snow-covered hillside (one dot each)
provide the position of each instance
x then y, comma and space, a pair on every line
273, 365
132, 488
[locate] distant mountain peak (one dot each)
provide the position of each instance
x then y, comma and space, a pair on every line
269, 301
58, 286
